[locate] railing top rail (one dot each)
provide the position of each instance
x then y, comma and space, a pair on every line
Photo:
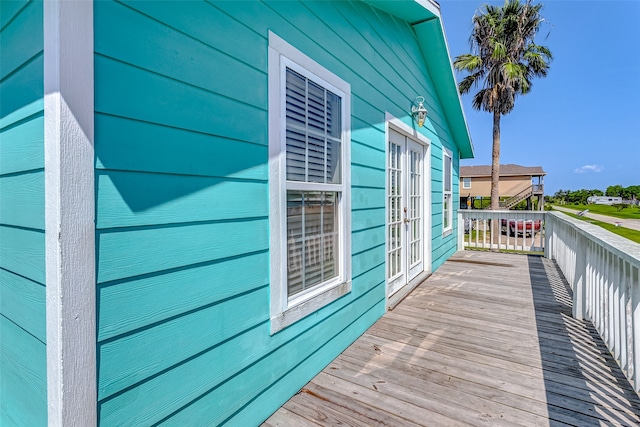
501, 213
621, 247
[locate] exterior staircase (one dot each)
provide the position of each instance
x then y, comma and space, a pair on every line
514, 200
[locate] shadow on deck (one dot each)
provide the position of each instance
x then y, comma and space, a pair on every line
487, 340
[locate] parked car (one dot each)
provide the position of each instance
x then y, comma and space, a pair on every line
522, 227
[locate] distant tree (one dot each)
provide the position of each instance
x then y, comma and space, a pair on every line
580, 197
614, 191
561, 195
633, 190
504, 61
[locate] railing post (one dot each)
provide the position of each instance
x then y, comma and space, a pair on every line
634, 289
461, 232
548, 236
580, 278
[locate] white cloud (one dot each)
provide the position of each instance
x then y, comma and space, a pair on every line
589, 168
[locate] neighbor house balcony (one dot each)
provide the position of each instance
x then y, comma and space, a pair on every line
538, 189
538, 325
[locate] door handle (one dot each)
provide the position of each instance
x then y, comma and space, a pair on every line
407, 220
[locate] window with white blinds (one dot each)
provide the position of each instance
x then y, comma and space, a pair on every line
313, 145
447, 208
309, 184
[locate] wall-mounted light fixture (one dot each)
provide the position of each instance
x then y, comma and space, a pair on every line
418, 111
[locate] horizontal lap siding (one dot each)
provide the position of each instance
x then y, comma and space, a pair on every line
182, 201
22, 274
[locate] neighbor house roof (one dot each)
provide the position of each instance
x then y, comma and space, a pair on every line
424, 16
505, 170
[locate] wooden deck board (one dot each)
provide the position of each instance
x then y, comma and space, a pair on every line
487, 340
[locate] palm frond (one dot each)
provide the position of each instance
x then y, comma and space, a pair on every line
505, 57
467, 62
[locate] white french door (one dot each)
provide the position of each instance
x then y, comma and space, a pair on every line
406, 211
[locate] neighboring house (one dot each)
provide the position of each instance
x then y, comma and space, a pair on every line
203, 203
517, 183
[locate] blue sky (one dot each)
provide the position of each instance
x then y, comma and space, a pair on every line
582, 122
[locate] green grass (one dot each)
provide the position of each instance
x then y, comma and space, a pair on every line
630, 212
630, 234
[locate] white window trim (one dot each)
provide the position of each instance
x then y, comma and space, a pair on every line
466, 185
286, 311
447, 230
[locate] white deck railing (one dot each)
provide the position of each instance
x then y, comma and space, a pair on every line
521, 231
602, 269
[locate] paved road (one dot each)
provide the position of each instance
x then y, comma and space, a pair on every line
633, 224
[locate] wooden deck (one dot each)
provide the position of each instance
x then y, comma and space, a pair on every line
487, 340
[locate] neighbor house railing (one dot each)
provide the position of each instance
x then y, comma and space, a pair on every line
601, 268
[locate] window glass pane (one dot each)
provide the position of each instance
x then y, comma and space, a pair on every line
312, 239
330, 238
316, 159
316, 108
295, 99
295, 256
296, 155
447, 173
447, 207
334, 115
334, 159
314, 131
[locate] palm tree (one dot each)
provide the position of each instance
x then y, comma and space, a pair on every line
505, 59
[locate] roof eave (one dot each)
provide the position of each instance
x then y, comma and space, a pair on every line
424, 16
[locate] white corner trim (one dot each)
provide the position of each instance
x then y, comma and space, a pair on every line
70, 213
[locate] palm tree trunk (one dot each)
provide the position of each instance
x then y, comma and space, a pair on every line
495, 178
495, 162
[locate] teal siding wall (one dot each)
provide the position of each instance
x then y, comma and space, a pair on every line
182, 200
23, 394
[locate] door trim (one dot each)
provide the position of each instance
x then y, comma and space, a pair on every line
399, 126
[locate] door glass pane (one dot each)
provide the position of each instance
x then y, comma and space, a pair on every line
395, 205
415, 210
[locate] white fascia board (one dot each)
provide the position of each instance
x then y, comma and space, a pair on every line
70, 213
411, 11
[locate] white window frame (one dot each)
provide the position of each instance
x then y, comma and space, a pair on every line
447, 214
466, 182
287, 310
